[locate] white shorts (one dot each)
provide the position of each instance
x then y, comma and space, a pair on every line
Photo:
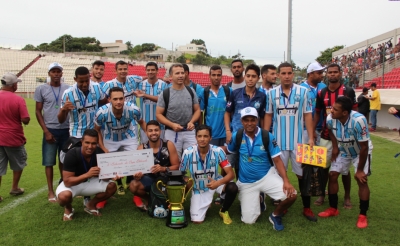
342, 165
143, 136
328, 145
291, 154
182, 140
126, 144
90, 188
199, 203
271, 184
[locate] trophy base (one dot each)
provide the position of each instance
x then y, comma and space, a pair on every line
176, 219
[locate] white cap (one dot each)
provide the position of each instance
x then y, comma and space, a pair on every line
315, 66
55, 65
10, 79
248, 111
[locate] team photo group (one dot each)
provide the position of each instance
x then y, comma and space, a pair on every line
236, 139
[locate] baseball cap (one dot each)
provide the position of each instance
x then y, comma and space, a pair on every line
248, 111
10, 79
315, 66
55, 65
365, 89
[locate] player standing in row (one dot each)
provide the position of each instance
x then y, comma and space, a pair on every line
203, 161
325, 100
289, 108
247, 96
178, 109
128, 83
237, 70
55, 134
268, 76
351, 145
148, 92
196, 87
98, 72
214, 105
315, 74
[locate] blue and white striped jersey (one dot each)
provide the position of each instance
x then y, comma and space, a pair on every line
288, 113
82, 116
199, 171
349, 135
312, 96
148, 107
129, 87
118, 129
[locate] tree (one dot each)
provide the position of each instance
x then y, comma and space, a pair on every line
29, 47
169, 58
181, 59
137, 49
326, 55
198, 42
148, 47
129, 46
201, 59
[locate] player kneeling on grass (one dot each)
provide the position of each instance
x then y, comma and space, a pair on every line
257, 172
80, 177
203, 161
350, 145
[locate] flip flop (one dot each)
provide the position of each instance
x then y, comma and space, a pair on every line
94, 212
52, 200
17, 192
68, 217
347, 205
319, 203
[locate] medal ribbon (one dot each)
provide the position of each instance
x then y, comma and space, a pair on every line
288, 98
84, 163
244, 91
159, 150
81, 98
58, 96
203, 165
250, 151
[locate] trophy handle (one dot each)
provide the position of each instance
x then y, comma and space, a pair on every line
158, 187
191, 187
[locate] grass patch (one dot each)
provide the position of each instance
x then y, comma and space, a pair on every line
38, 222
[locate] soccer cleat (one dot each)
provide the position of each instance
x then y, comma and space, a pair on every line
263, 206
225, 217
308, 213
372, 129
362, 221
101, 205
86, 199
329, 213
121, 190
276, 222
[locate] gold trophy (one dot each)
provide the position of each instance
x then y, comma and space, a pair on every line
176, 186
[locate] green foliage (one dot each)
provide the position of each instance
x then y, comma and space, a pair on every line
181, 59
29, 47
148, 47
198, 42
72, 44
169, 58
326, 56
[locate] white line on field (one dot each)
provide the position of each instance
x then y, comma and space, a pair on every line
22, 200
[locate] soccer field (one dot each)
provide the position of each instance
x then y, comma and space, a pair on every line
31, 220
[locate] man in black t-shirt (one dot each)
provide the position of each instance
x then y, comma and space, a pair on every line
80, 177
363, 103
165, 159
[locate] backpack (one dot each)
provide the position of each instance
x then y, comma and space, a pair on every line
166, 97
265, 140
229, 84
158, 206
207, 94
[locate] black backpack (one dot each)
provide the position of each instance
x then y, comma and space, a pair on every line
166, 97
158, 206
229, 84
265, 140
207, 94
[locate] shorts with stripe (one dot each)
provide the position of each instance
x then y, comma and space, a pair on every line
342, 165
199, 203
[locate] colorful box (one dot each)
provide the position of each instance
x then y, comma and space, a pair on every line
315, 156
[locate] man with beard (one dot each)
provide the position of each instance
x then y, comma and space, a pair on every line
148, 92
289, 108
351, 146
237, 69
128, 83
203, 161
119, 120
315, 74
268, 76
98, 72
325, 100
81, 177
165, 159
48, 101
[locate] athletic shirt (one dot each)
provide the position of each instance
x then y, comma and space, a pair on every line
349, 135
161, 157
148, 107
118, 129
200, 171
129, 87
312, 96
327, 98
85, 107
288, 115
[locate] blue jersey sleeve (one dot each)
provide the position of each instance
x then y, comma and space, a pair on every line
230, 104
200, 95
361, 129
268, 104
273, 147
184, 162
232, 144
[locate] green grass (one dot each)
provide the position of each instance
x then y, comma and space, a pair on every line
38, 222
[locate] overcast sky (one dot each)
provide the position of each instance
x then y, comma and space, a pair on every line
258, 28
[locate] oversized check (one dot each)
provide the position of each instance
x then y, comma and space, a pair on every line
125, 163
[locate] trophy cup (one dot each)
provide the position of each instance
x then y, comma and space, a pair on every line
175, 186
